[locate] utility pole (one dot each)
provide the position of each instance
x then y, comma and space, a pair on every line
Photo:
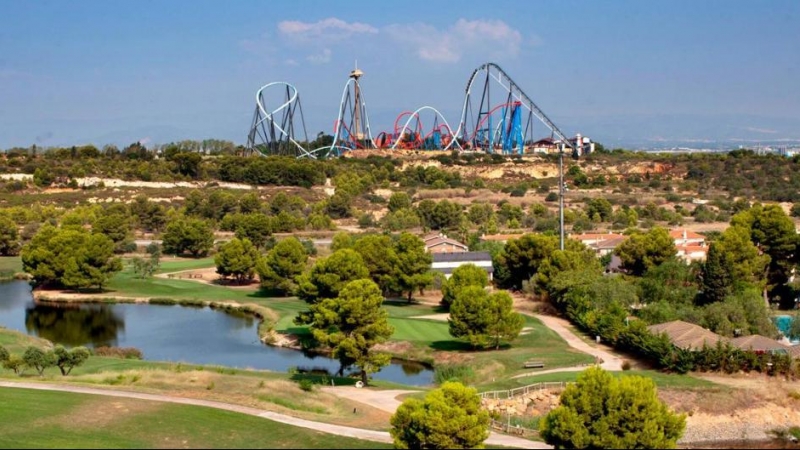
561, 194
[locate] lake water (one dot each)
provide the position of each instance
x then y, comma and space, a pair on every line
170, 333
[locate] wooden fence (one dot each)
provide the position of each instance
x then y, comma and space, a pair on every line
504, 424
524, 390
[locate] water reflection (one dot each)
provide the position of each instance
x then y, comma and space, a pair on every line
172, 333
73, 325
412, 368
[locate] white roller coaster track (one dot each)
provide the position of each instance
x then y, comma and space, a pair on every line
416, 114
268, 116
517, 93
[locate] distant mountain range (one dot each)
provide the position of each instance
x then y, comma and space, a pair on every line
694, 131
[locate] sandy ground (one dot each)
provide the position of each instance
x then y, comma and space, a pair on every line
114, 182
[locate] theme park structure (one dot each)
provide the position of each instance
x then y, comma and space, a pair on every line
497, 117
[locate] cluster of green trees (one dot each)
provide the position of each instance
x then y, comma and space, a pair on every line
598, 411
448, 417
71, 257
39, 360
725, 294
398, 264
345, 313
481, 318
601, 411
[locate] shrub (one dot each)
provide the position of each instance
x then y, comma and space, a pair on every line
162, 301
453, 372
626, 365
38, 359
15, 364
551, 197
306, 384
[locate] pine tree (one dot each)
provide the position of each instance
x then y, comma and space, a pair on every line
351, 324
600, 411
717, 279
482, 319
448, 417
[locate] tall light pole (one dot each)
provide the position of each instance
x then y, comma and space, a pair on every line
561, 194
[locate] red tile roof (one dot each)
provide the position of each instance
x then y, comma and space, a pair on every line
678, 234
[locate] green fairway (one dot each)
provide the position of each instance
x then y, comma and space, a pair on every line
426, 336
664, 380
176, 265
417, 330
41, 419
9, 266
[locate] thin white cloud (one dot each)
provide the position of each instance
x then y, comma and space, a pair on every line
320, 58
493, 38
487, 38
323, 31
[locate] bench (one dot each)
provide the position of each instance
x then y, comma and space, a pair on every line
534, 365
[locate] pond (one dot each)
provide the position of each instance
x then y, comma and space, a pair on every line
171, 333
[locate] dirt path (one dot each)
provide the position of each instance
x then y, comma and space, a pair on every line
339, 430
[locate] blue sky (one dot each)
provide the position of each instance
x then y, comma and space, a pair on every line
621, 71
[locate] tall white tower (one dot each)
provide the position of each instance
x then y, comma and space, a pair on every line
358, 131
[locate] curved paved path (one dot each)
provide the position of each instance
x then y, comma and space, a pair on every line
561, 327
339, 430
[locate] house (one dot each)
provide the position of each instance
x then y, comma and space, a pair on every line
687, 336
440, 243
607, 246
545, 145
686, 237
601, 243
691, 246
691, 253
759, 344
794, 350
447, 262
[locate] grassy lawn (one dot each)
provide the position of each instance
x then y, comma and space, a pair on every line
427, 337
419, 330
664, 380
16, 342
9, 265
40, 419
176, 265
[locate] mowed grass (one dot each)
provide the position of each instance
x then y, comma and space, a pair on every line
176, 265
126, 284
11, 263
16, 342
420, 330
428, 337
664, 380
41, 419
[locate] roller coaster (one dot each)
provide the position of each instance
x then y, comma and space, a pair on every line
497, 117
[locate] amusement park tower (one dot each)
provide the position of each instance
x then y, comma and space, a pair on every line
358, 132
